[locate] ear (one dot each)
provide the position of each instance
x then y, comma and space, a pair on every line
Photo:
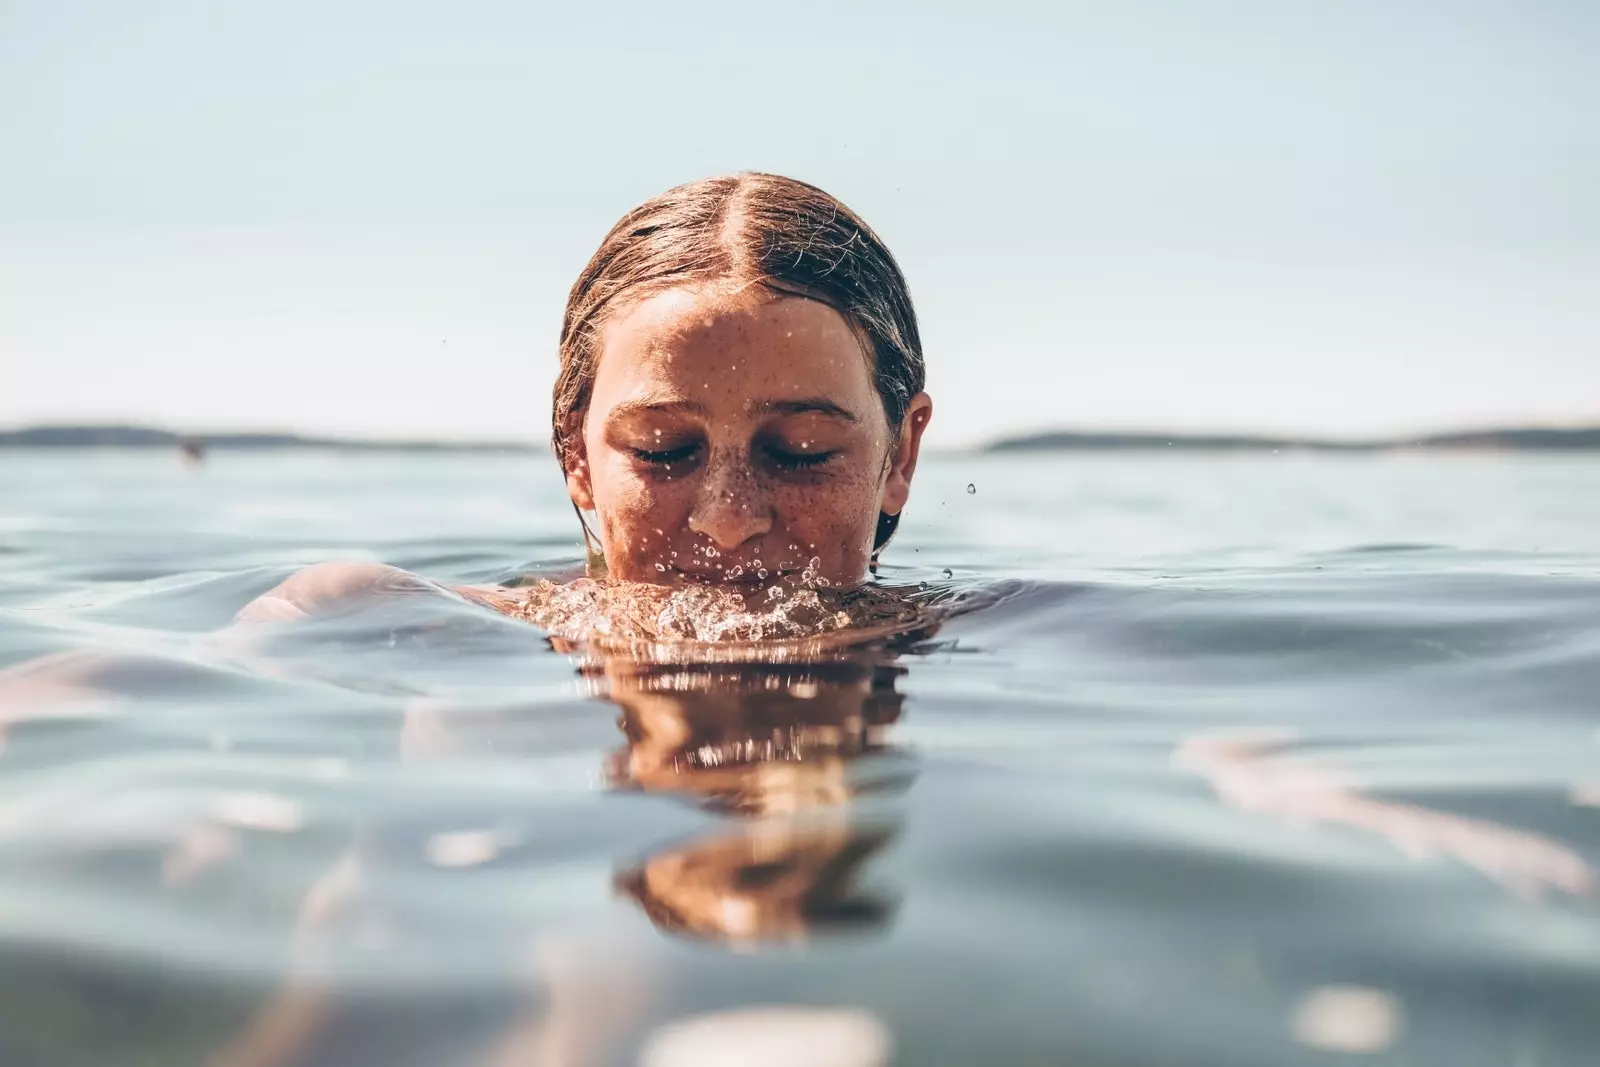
903, 459
579, 487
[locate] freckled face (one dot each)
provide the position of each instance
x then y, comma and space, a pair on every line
731, 433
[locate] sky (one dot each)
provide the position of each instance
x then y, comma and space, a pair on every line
1334, 218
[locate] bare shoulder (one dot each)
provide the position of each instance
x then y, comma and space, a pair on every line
329, 586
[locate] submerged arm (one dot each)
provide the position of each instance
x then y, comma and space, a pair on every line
83, 682
1249, 774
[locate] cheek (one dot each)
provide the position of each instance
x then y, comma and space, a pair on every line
835, 520
633, 507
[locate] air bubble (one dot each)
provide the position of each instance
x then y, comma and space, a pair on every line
948, 573
971, 488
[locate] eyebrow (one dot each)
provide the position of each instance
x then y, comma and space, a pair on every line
812, 405
657, 405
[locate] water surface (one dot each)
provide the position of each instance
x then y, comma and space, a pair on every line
1244, 760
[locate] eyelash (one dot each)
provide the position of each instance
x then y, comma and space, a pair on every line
671, 455
781, 458
798, 460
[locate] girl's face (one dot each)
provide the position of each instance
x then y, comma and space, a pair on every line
731, 433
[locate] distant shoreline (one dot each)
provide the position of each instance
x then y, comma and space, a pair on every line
1502, 439
144, 437
1499, 439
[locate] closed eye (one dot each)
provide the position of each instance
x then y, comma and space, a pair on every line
670, 455
797, 460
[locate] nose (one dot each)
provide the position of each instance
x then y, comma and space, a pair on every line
732, 507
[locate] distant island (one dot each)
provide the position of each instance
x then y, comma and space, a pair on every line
146, 438
1525, 439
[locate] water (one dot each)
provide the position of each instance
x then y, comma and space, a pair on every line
1244, 760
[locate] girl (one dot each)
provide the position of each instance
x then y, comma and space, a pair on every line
740, 408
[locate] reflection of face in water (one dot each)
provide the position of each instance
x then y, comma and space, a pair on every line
792, 747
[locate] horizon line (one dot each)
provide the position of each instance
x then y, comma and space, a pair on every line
144, 435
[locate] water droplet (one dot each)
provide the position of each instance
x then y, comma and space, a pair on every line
948, 573
971, 488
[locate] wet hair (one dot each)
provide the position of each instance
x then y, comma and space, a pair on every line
747, 229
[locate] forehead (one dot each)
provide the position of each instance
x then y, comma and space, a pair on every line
712, 344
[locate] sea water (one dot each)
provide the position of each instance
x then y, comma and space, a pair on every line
1232, 760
